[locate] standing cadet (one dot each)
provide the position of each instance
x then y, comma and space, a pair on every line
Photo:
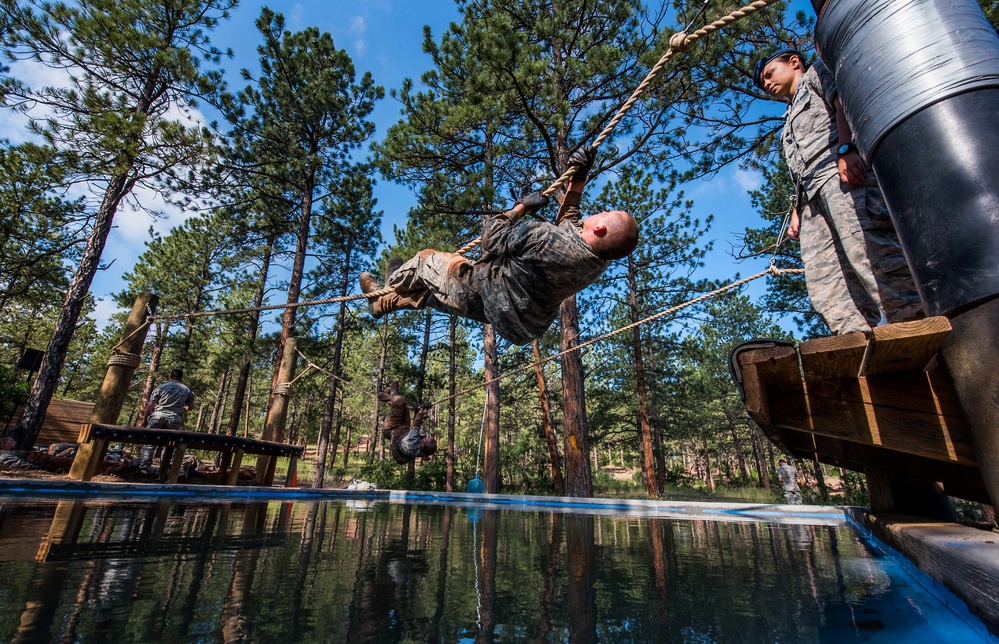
788, 477
165, 410
854, 266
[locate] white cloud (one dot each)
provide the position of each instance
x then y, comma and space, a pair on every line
104, 308
358, 27
748, 179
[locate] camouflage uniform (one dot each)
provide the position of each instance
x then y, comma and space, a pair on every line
170, 399
788, 477
854, 266
526, 270
405, 435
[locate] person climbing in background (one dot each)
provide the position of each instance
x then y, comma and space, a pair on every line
854, 266
527, 267
165, 410
788, 477
407, 438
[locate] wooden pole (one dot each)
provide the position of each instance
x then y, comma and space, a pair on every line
277, 415
117, 378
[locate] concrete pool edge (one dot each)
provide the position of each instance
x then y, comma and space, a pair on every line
964, 561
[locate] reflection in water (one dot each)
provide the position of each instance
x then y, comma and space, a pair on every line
78, 571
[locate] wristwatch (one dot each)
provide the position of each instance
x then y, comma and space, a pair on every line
845, 148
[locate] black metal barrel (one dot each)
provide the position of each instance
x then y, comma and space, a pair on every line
919, 82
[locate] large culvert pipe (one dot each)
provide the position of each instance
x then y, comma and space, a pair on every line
919, 82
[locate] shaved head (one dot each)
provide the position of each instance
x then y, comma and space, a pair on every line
611, 235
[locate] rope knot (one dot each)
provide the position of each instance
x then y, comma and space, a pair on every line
678, 42
282, 389
774, 270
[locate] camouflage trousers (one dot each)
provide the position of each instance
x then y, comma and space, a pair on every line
442, 281
854, 266
148, 452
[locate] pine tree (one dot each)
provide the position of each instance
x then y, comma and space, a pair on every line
129, 65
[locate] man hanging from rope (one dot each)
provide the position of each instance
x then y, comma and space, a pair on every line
407, 438
526, 270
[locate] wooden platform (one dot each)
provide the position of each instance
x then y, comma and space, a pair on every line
861, 403
175, 442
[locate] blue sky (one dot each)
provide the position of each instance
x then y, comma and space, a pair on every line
384, 37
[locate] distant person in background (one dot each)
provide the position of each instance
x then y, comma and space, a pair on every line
788, 477
165, 410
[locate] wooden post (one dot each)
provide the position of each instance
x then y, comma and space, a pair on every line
121, 368
277, 414
175, 465
237, 461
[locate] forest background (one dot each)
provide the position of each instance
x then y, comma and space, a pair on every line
225, 156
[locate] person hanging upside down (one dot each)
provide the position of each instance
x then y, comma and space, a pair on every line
527, 267
407, 438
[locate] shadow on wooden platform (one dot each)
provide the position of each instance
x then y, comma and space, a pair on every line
860, 403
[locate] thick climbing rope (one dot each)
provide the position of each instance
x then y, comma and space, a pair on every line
680, 41
771, 270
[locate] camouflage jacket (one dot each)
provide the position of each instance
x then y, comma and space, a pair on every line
810, 134
528, 268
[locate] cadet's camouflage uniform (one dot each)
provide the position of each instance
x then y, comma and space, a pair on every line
854, 266
405, 436
528, 268
788, 477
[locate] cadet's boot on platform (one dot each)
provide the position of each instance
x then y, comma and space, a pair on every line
368, 283
391, 266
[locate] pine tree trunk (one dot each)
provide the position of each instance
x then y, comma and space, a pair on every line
246, 365
215, 418
26, 430
294, 291
709, 478
740, 457
326, 426
452, 387
644, 426
162, 330
421, 376
546, 418
376, 435
578, 475
490, 461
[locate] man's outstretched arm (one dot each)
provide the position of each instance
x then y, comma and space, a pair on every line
569, 209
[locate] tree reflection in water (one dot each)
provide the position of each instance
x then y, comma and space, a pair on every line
360, 571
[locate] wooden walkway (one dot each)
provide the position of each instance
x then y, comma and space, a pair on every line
871, 405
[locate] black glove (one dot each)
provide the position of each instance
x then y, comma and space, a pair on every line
426, 405
533, 202
583, 159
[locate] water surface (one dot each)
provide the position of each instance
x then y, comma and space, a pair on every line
342, 571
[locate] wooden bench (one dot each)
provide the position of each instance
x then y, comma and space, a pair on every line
175, 443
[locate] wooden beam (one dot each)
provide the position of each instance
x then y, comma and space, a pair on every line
776, 366
875, 412
838, 356
176, 463
291, 480
959, 480
224, 461
237, 461
906, 346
